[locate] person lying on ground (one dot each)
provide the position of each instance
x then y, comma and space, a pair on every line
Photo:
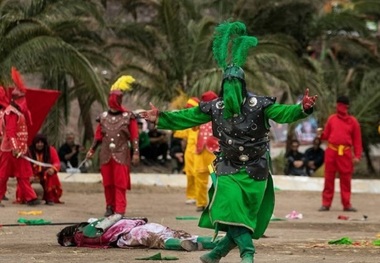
120, 232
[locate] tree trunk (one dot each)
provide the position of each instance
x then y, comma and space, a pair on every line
86, 121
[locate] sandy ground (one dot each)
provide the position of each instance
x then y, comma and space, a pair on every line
296, 241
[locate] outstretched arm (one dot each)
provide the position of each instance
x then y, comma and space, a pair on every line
176, 120
281, 113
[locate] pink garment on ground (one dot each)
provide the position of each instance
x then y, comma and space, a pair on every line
150, 235
122, 226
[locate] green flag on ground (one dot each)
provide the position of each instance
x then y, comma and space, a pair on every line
39, 221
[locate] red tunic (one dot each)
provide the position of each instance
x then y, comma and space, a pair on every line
206, 139
15, 138
344, 132
344, 140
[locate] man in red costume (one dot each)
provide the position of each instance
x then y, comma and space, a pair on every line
4, 102
116, 129
41, 151
342, 132
14, 144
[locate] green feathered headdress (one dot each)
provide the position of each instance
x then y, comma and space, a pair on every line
232, 37
230, 48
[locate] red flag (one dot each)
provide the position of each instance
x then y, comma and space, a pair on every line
40, 102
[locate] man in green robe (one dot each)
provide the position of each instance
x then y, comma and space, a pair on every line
241, 199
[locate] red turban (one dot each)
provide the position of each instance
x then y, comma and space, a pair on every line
209, 96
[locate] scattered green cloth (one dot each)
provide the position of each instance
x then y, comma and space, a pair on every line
376, 242
39, 221
341, 241
158, 256
187, 218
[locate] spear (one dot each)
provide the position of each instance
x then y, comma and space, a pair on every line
43, 224
47, 223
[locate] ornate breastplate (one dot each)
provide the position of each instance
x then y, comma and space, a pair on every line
115, 144
243, 138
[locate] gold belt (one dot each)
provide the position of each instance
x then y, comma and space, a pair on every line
339, 148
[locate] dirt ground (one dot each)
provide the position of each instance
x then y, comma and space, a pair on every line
296, 241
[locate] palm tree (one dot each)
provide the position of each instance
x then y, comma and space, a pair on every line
349, 64
166, 54
347, 58
57, 40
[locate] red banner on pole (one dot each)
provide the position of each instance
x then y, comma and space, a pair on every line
40, 102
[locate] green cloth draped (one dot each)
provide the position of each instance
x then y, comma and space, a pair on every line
239, 200
232, 98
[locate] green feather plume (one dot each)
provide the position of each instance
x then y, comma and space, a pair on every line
223, 33
240, 48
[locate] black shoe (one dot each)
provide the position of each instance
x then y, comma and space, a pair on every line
200, 208
350, 209
324, 208
109, 211
5, 198
33, 202
49, 203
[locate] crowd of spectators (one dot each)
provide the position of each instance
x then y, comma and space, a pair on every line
303, 163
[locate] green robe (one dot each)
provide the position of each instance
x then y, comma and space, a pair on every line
236, 199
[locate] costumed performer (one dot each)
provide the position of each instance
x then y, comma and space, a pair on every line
242, 194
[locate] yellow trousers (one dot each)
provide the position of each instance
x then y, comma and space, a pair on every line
190, 135
201, 162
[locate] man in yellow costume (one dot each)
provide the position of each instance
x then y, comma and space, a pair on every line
206, 145
190, 135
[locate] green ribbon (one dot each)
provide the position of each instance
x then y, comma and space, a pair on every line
39, 221
341, 241
187, 218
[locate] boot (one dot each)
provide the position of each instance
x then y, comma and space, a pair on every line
178, 244
33, 202
109, 211
245, 244
222, 248
206, 243
189, 245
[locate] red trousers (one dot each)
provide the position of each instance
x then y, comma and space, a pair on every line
116, 181
343, 165
19, 168
51, 185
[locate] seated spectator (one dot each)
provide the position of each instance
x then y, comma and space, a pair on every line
41, 151
68, 154
295, 160
158, 145
152, 145
314, 157
144, 145
177, 147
